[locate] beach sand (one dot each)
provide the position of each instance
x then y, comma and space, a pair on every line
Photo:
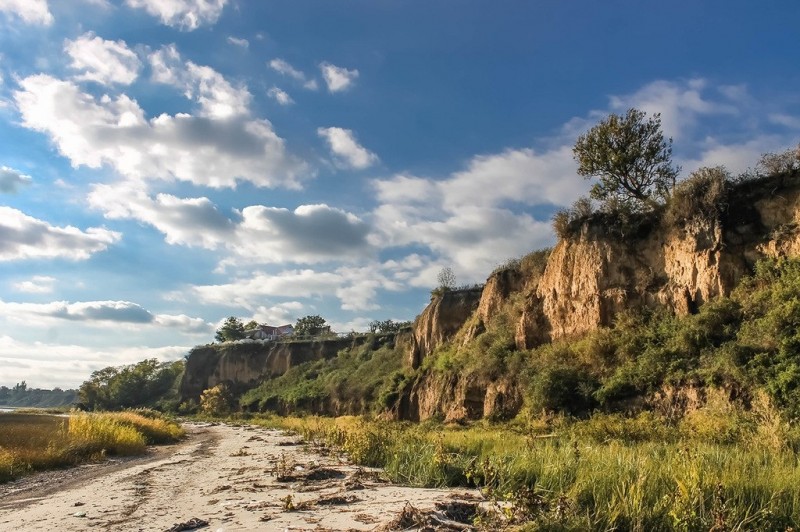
232, 477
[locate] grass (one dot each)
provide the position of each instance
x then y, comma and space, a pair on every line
609, 473
35, 442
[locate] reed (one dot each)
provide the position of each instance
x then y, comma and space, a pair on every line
35, 442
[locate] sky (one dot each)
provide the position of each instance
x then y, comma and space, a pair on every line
165, 164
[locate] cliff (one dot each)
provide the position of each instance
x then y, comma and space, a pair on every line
244, 364
440, 320
695, 249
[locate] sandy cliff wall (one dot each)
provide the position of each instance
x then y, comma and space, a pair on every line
440, 320
593, 276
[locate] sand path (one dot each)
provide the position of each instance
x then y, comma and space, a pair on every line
235, 478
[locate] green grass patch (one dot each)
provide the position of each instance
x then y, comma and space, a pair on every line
605, 473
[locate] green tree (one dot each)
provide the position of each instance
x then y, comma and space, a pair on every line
310, 326
631, 159
231, 329
140, 384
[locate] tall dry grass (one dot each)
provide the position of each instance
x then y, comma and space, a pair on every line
605, 473
34, 442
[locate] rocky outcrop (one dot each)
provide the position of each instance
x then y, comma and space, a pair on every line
674, 263
440, 321
244, 364
590, 278
456, 398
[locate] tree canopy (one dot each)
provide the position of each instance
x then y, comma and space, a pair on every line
630, 157
231, 329
310, 326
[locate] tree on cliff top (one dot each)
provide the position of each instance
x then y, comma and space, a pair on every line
232, 329
630, 157
310, 326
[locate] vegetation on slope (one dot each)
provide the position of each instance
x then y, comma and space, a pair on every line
359, 380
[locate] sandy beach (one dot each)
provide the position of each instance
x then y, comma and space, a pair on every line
230, 477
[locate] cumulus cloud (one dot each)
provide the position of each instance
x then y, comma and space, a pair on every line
680, 103
467, 218
187, 221
279, 314
29, 11
217, 97
280, 96
338, 79
284, 68
103, 61
24, 237
355, 287
346, 149
256, 234
309, 233
204, 150
39, 284
186, 15
11, 180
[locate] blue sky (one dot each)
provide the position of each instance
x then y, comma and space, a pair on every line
167, 163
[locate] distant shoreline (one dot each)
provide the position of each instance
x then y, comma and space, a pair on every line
4, 408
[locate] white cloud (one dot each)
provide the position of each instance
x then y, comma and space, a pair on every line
307, 234
280, 314
256, 234
467, 218
283, 67
103, 61
184, 14
216, 96
39, 284
280, 96
11, 180
338, 78
100, 314
47, 365
187, 221
680, 103
346, 148
25, 237
735, 156
786, 120
30, 11
204, 150
355, 287
242, 43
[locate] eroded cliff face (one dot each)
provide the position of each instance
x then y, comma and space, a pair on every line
592, 277
457, 398
440, 321
245, 364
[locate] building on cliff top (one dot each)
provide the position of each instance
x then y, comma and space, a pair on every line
268, 332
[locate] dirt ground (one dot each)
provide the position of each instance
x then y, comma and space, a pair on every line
230, 477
